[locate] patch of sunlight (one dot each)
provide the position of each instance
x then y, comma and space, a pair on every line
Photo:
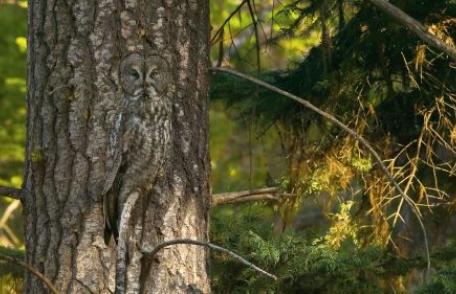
22, 111
233, 172
17, 83
213, 164
16, 181
21, 42
301, 44
23, 4
12, 152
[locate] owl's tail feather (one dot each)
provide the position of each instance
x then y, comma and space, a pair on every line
110, 233
110, 212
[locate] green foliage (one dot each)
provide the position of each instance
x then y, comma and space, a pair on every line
230, 150
9, 268
13, 23
381, 80
12, 109
368, 43
11, 274
12, 92
444, 279
444, 282
304, 266
239, 43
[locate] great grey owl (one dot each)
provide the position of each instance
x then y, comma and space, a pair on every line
140, 135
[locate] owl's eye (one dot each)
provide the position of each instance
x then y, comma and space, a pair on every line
153, 73
134, 74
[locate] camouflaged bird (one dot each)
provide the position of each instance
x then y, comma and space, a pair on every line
140, 136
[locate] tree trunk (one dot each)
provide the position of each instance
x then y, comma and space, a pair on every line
76, 92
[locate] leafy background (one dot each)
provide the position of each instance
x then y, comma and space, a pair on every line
339, 230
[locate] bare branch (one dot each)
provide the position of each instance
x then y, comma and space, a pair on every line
10, 234
32, 270
11, 192
267, 190
257, 38
250, 198
220, 29
353, 133
267, 194
210, 246
414, 26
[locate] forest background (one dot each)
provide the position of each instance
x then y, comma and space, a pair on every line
316, 210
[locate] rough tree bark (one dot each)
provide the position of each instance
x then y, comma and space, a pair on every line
75, 48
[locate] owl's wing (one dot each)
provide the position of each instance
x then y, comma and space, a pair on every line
114, 158
112, 184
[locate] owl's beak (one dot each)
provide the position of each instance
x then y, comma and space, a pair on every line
138, 93
151, 91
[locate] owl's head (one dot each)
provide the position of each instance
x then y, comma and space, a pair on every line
145, 79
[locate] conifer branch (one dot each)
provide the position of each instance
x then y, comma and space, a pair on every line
414, 26
351, 132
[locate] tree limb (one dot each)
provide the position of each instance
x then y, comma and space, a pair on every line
210, 246
257, 38
220, 29
8, 211
353, 133
232, 199
11, 192
31, 269
263, 194
414, 26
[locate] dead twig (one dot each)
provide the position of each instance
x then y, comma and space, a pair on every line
263, 194
220, 29
257, 38
32, 270
11, 192
160, 246
8, 211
